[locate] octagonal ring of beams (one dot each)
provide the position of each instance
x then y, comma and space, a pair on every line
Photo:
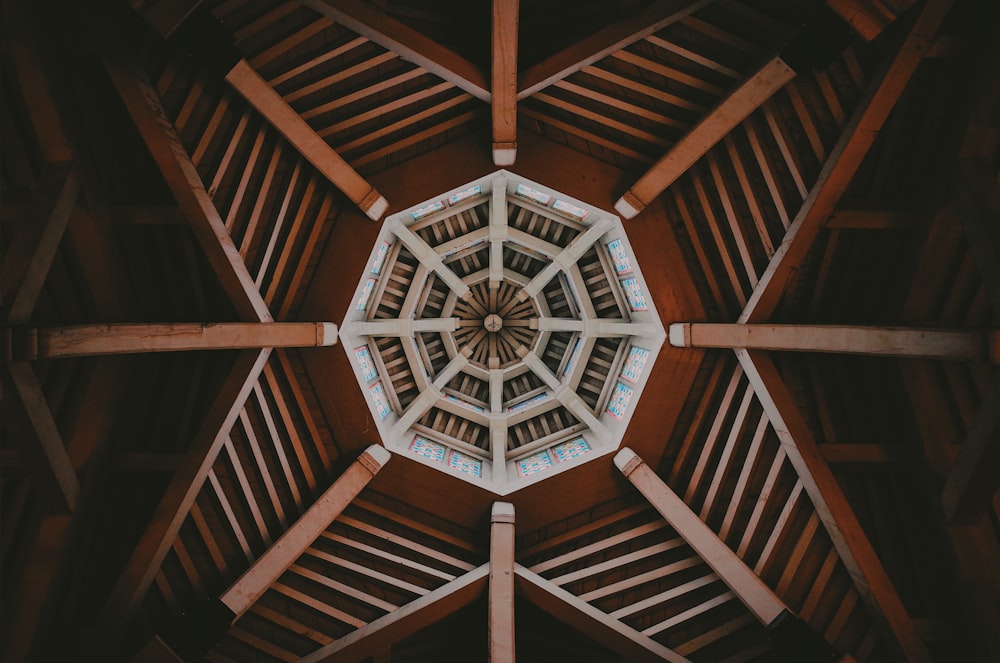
502, 332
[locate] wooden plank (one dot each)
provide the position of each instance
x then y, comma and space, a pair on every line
741, 102
867, 17
844, 160
282, 117
29, 258
45, 456
103, 339
269, 567
144, 106
946, 344
379, 27
503, 81
596, 625
173, 508
501, 591
865, 219
846, 533
604, 42
431, 607
758, 597
972, 480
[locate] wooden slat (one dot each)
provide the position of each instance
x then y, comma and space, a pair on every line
379, 27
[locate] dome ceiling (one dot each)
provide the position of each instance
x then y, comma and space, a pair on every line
501, 332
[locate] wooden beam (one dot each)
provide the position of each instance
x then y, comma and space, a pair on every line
947, 344
732, 110
503, 83
977, 202
846, 533
157, 651
269, 567
860, 132
867, 17
245, 80
379, 27
156, 541
972, 481
369, 640
28, 259
44, 453
860, 453
865, 219
757, 596
144, 106
604, 42
613, 634
501, 592
84, 340
165, 16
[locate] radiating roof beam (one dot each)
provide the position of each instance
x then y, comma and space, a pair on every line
857, 137
591, 622
500, 613
498, 229
947, 344
379, 27
732, 110
430, 258
604, 42
503, 82
835, 512
404, 327
106, 339
567, 258
399, 624
245, 80
269, 566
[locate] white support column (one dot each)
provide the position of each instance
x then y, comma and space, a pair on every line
429, 396
501, 591
567, 258
427, 256
498, 229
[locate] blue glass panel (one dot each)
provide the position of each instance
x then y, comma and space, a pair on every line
634, 363
636, 298
570, 450
368, 370
428, 449
534, 464
465, 463
620, 398
620, 257
379, 399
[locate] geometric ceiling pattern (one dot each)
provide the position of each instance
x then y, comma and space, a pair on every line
782, 169
501, 332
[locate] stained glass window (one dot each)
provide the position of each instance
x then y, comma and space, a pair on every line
465, 463
524, 405
428, 449
569, 208
636, 298
427, 209
620, 398
573, 356
619, 256
465, 193
569, 450
533, 194
534, 464
464, 403
366, 295
634, 363
379, 259
379, 399
368, 369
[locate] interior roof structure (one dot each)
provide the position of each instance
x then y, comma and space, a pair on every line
191, 191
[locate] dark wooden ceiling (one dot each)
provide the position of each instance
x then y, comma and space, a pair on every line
136, 489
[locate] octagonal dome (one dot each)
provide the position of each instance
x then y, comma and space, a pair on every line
502, 333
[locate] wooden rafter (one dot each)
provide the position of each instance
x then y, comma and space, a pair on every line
372, 639
846, 533
608, 631
741, 102
406, 42
503, 82
947, 344
165, 16
85, 340
972, 481
156, 541
868, 17
604, 42
143, 104
245, 80
844, 160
